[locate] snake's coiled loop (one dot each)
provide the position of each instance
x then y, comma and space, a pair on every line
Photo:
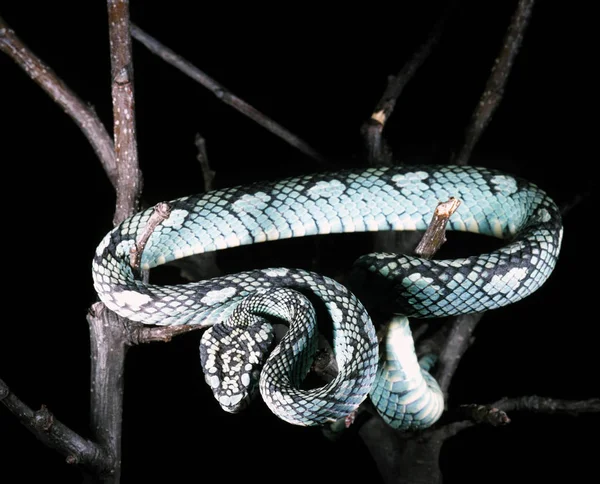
394, 198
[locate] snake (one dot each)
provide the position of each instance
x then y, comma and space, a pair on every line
239, 353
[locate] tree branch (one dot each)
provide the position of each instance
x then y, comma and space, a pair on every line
537, 404
494, 89
55, 434
435, 235
223, 94
129, 185
82, 114
378, 154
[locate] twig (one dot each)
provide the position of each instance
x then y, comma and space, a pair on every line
377, 151
223, 94
435, 235
204, 265
129, 185
83, 115
55, 434
139, 334
537, 404
207, 173
489, 414
161, 212
496, 413
494, 89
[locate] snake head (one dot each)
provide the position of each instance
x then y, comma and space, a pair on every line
232, 358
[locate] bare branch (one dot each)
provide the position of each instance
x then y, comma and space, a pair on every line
377, 151
223, 94
494, 89
435, 235
129, 185
55, 434
82, 114
485, 414
161, 212
496, 413
140, 334
207, 172
548, 405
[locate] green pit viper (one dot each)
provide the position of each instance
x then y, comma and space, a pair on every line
237, 352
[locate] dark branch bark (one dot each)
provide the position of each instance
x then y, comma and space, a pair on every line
107, 330
435, 235
496, 413
56, 435
378, 154
494, 89
129, 185
223, 94
80, 113
207, 172
537, 404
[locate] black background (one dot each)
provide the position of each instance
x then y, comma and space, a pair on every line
319, 73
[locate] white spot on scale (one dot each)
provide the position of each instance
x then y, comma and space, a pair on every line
505, 283
213, 381
245, 379
277, 272
214, 297
336, 314
132, 299
103, 244
544, 215
176, 219
333, 188
124, 248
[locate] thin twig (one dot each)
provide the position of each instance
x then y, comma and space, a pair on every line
494, 89
207, 172
139, 334
82, 114
55, 434
223, 94
435, 235
496, 413
129, 185
161, 212
489, 414
378, 154
538, 404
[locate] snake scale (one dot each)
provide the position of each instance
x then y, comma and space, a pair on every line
237, 352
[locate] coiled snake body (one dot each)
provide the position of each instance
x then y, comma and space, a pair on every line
240, 307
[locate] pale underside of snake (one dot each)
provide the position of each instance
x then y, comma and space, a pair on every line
237, 352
